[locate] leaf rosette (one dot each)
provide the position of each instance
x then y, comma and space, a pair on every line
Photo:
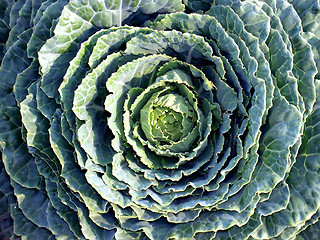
161, 120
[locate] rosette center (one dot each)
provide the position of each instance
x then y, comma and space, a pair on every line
168, 118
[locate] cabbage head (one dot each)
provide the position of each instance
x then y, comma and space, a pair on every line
160, 119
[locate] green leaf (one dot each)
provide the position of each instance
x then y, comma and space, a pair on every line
304, 201
25, 228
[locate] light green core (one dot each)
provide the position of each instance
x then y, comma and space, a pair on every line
171, 117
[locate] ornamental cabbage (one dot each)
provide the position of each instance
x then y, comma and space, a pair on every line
162, 119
